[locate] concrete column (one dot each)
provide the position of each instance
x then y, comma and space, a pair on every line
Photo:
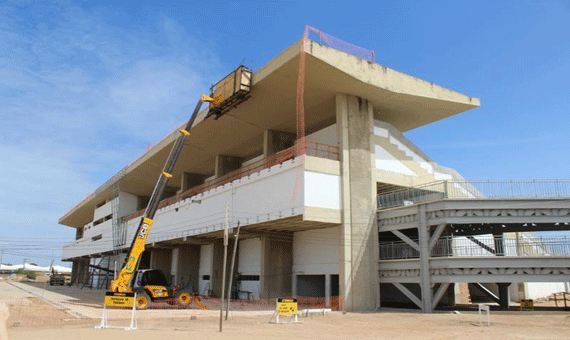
217, 267
75, 271
161, 259
276, 266
190, 180
265, 264
80, 271
275, 141
294, 284
79, 233
188, 265
423, 234
174, 267
152, 263
226, 164
328, 290
359, 250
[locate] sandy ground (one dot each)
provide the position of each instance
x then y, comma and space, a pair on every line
72, 314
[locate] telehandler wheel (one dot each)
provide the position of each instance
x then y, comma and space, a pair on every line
183, 297
142, 301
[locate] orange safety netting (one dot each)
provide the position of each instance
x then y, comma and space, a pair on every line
335, 303
332, 42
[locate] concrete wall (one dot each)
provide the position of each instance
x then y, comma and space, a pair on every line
249, 265
316, 251
188, 265
536, 290
322, 190
161, 259
399, 161
102, 211
326, 135
283, 195
315, 261
104, 229
276, 265
128, 205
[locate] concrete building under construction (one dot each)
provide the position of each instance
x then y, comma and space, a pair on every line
331, 198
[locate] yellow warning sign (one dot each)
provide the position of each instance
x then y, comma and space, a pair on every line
286, 306
527, 304
125, 300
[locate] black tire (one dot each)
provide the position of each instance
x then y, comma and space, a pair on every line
142, 301
183, 297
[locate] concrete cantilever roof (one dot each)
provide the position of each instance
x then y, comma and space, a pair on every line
404, 101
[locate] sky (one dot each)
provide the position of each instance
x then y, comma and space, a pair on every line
85, 87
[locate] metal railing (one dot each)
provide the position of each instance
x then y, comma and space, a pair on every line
463, 189
522, 245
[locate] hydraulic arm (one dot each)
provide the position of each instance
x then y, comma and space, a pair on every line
123, 283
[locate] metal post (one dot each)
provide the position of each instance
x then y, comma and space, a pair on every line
423, 233
232, 271
133, 314
224, 265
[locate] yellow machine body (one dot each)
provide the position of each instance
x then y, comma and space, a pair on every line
122, 283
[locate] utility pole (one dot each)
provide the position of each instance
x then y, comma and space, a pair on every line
224, 265
232, 271
1, 256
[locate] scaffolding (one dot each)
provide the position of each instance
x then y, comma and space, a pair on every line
99, 275
118, 226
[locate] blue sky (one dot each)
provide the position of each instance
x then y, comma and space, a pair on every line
85, 87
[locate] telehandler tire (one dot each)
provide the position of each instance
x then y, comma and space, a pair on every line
183, 297
142, 301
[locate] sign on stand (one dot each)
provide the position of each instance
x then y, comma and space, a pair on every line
286, 307
123, 300
527, 304
119, 300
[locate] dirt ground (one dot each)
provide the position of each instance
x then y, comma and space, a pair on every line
33, 316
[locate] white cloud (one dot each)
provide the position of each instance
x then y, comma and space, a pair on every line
80, 98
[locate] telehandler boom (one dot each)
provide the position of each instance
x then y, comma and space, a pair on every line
152, 284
